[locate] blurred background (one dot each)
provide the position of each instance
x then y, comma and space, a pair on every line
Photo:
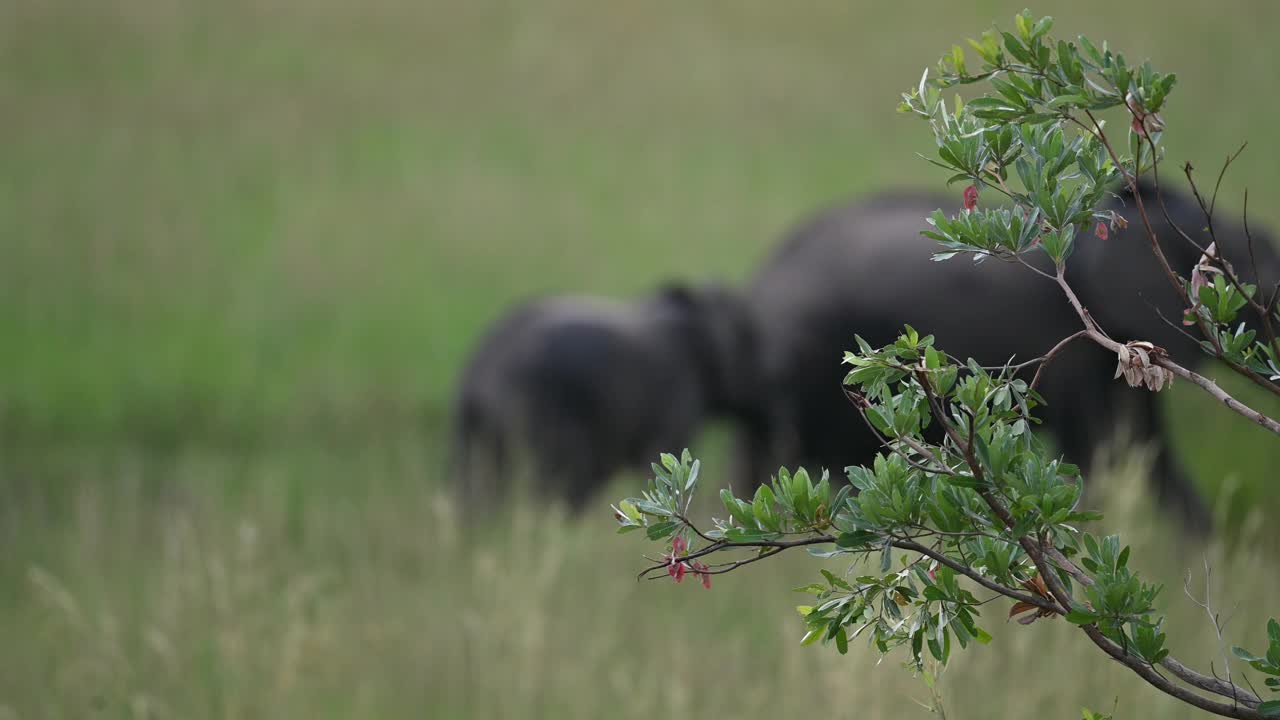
245, 247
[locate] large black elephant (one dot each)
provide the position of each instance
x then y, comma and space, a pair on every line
574, 389
865, 269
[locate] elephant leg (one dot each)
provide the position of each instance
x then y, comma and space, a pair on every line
572, 462
759, 444
477, 463
1174, 488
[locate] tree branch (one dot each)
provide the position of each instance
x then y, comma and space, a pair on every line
1163, 361
1049, 357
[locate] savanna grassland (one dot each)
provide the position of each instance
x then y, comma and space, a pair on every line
246, 246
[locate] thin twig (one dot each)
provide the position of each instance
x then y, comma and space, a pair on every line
1262, 308
1064, 599
1049, 356
1195, 378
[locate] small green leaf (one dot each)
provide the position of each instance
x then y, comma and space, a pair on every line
657, 531
693, 475
935, 649
1246, 655
1024, 28
747, 535
835, 581
1270, 708
856, 539
762, 506
1081, 617
1044, 25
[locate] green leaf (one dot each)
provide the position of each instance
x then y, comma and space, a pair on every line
693, 475
856, 539
800, 491
669, 462
762, 506
1017, 49
730, 502
1081, 617
1044, 25
1246, 655
1090, 50
747, 535
740, 511
835, 581
989, 49
984, 452
842, 641
935, 649
657, 531
1270, 708
1024, 27
1064, 100
629, 509
982, 636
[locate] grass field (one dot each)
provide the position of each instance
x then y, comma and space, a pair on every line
245, 246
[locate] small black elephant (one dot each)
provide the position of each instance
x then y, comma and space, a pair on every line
865, 269
578, 388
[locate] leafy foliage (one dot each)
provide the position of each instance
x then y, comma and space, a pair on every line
965, 499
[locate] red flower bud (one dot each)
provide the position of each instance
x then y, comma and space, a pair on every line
970, 197
1101, 231
678, 545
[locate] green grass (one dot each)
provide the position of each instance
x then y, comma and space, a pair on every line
245, 248
332, 584
235, 220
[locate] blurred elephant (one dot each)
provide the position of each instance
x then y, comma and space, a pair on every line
583, 387
865, 269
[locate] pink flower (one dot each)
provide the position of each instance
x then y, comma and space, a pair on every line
1137, 127
676, 567
970, 197
1101, 231
1200, 279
